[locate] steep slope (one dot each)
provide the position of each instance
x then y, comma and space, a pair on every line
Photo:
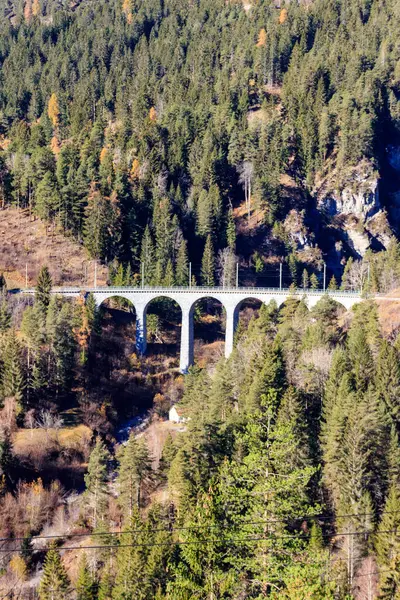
27, 243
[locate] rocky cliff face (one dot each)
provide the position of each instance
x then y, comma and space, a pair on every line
357, 206
359, 196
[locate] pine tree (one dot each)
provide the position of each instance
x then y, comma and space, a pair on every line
182, 265
6, 457
360, 357
387, 541
345, 277
390, 581
387, 379
131, 561
47, 197
168, 454
106, 585
5, 316
208, 264
13, 381
305, 279
134, 470
99, 219
26, 551
314, 283
54, 584
96, 481
204, 212
332, 284
293, 267
168, 280
231, 231
43, 289
147, 258
164, 228
85, 586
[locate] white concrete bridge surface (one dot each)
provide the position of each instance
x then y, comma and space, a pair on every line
186, 298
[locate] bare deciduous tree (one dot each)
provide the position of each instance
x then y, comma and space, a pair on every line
227, 267
357, 276
48, 420
246, 171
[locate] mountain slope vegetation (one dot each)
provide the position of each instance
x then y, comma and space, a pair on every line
139, 127
165, 139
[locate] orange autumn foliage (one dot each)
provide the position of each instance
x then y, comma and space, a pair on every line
153, 115
262, 38
54, 110
103, 154
283, 16
36, 8
135, 169
127, 10
55, 146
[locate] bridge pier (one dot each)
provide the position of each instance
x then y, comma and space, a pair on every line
141, 329
232, 317
187, 341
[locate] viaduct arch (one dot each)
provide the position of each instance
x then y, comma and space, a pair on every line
186, 298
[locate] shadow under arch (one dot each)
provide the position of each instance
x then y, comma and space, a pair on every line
208, 320
163, 315
119, 307
246, 310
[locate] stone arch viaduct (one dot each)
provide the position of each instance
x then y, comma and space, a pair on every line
230, 298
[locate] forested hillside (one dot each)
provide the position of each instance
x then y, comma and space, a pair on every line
283, 482
146, 129
154, 140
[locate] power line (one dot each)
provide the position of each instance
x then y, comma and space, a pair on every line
197, 527
228, 541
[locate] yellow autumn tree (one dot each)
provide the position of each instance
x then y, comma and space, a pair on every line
36, 8
54, 110
103, 154
135, 169
153, 115
55, 145
127, 7
262, 38
283, 16
18, 567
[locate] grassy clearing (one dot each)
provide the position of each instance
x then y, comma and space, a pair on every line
27, 440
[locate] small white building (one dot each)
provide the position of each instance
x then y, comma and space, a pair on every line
177, 414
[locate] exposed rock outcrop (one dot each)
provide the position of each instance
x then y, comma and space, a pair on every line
355, 209
359, 196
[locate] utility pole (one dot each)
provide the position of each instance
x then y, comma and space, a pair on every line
237, 275
190, 275
324, 277
26, 275
142, 278
280, 276
95, 273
